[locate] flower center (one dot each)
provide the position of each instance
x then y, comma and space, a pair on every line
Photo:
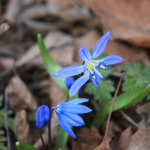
90, 65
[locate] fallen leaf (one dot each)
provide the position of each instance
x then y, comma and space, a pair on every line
62, 4
21, 98
87, 139
128, 20
55, 94
113, 128
21, 127
13, 9
52, 40
129, 53
124, 139
140, 140
39, 144
104, 145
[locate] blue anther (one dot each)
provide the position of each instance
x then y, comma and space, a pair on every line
108, 68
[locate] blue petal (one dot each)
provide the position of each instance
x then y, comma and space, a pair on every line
96, 80
70, 71
42, 116
64, 124
78, 83
84, 53
69, 81
61, 103
74, 109
77, 101
74, 119
111, 60
100, 46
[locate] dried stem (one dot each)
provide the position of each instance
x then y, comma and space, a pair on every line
6, 120
105, 137
42, 139
129, 118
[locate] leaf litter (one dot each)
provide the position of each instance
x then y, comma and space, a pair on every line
71, 32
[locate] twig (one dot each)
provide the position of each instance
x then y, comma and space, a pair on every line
42, 139
14, 70
129, 118
105, 137
6, 52
116, 74
6, 124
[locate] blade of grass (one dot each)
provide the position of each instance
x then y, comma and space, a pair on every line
24, 146
51, 65
121, 101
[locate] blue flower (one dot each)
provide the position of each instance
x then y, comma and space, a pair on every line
89, 65
69, 82
68, 114
42, 116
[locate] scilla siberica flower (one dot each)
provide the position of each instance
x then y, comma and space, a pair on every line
67, 113
89, 65
42, 116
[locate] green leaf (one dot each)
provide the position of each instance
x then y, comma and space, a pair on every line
24, 146
1, 98
102, 93
2, 147
1, 132
3, 139
63, 135
51, 66
10, 122
121, 101
137, 75
9, 112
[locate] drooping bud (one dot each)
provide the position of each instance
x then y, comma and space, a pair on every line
42, 116
69, 81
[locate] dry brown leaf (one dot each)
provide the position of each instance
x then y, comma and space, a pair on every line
55, 94
113, 128
21, 98
124, 139
87, 139
140, 140
12, 11
39, 144
104, 145
6, 62
128, 20
62, 4
53, 39
21, 127
129, 53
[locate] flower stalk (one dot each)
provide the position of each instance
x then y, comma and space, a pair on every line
42, 139
49, 128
